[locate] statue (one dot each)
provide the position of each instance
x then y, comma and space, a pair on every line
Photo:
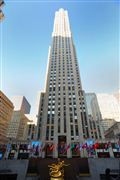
57, 170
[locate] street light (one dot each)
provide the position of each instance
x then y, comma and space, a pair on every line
1, 13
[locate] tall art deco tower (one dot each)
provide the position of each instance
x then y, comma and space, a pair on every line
62, 116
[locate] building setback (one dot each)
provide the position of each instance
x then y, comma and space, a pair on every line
6, 110
21, 103
62, 114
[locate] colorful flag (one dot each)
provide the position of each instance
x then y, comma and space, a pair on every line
96, 145
8, 147
84, 146
68, 147
117, 146
44, 147
72, 147
76, 147
51, 147
80, 146
106, 146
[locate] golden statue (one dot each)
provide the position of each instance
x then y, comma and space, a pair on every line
57, 170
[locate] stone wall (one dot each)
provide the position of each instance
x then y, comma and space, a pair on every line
16, 166
96, 167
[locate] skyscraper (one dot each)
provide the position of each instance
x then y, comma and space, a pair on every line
62, 115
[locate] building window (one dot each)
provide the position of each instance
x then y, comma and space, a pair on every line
72, 133
47, 133
76, 130
59, 125
52, 133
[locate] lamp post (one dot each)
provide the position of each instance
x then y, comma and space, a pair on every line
1, 13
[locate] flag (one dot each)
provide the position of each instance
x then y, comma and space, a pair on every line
72, 147
96, 145
8, 147
77, 147
37, 147
80, 146
62, 148
36, 150
106, 146
51, 147
33, 148
68, 147
84, 146
44, 147
119, 142
117, 146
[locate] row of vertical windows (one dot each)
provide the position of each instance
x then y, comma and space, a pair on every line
76, 130
48, 131
58, 41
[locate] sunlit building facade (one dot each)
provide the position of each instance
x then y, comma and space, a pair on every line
6, 111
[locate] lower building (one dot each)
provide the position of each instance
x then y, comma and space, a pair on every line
31, 131
94, 116
17, 127
6, 110
107, 123
114, 131
95, 128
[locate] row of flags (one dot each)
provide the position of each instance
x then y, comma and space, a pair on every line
37, 146
80, 146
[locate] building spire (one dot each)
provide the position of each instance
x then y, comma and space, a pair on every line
61, 24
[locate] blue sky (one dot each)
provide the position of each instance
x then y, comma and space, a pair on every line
26, 36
